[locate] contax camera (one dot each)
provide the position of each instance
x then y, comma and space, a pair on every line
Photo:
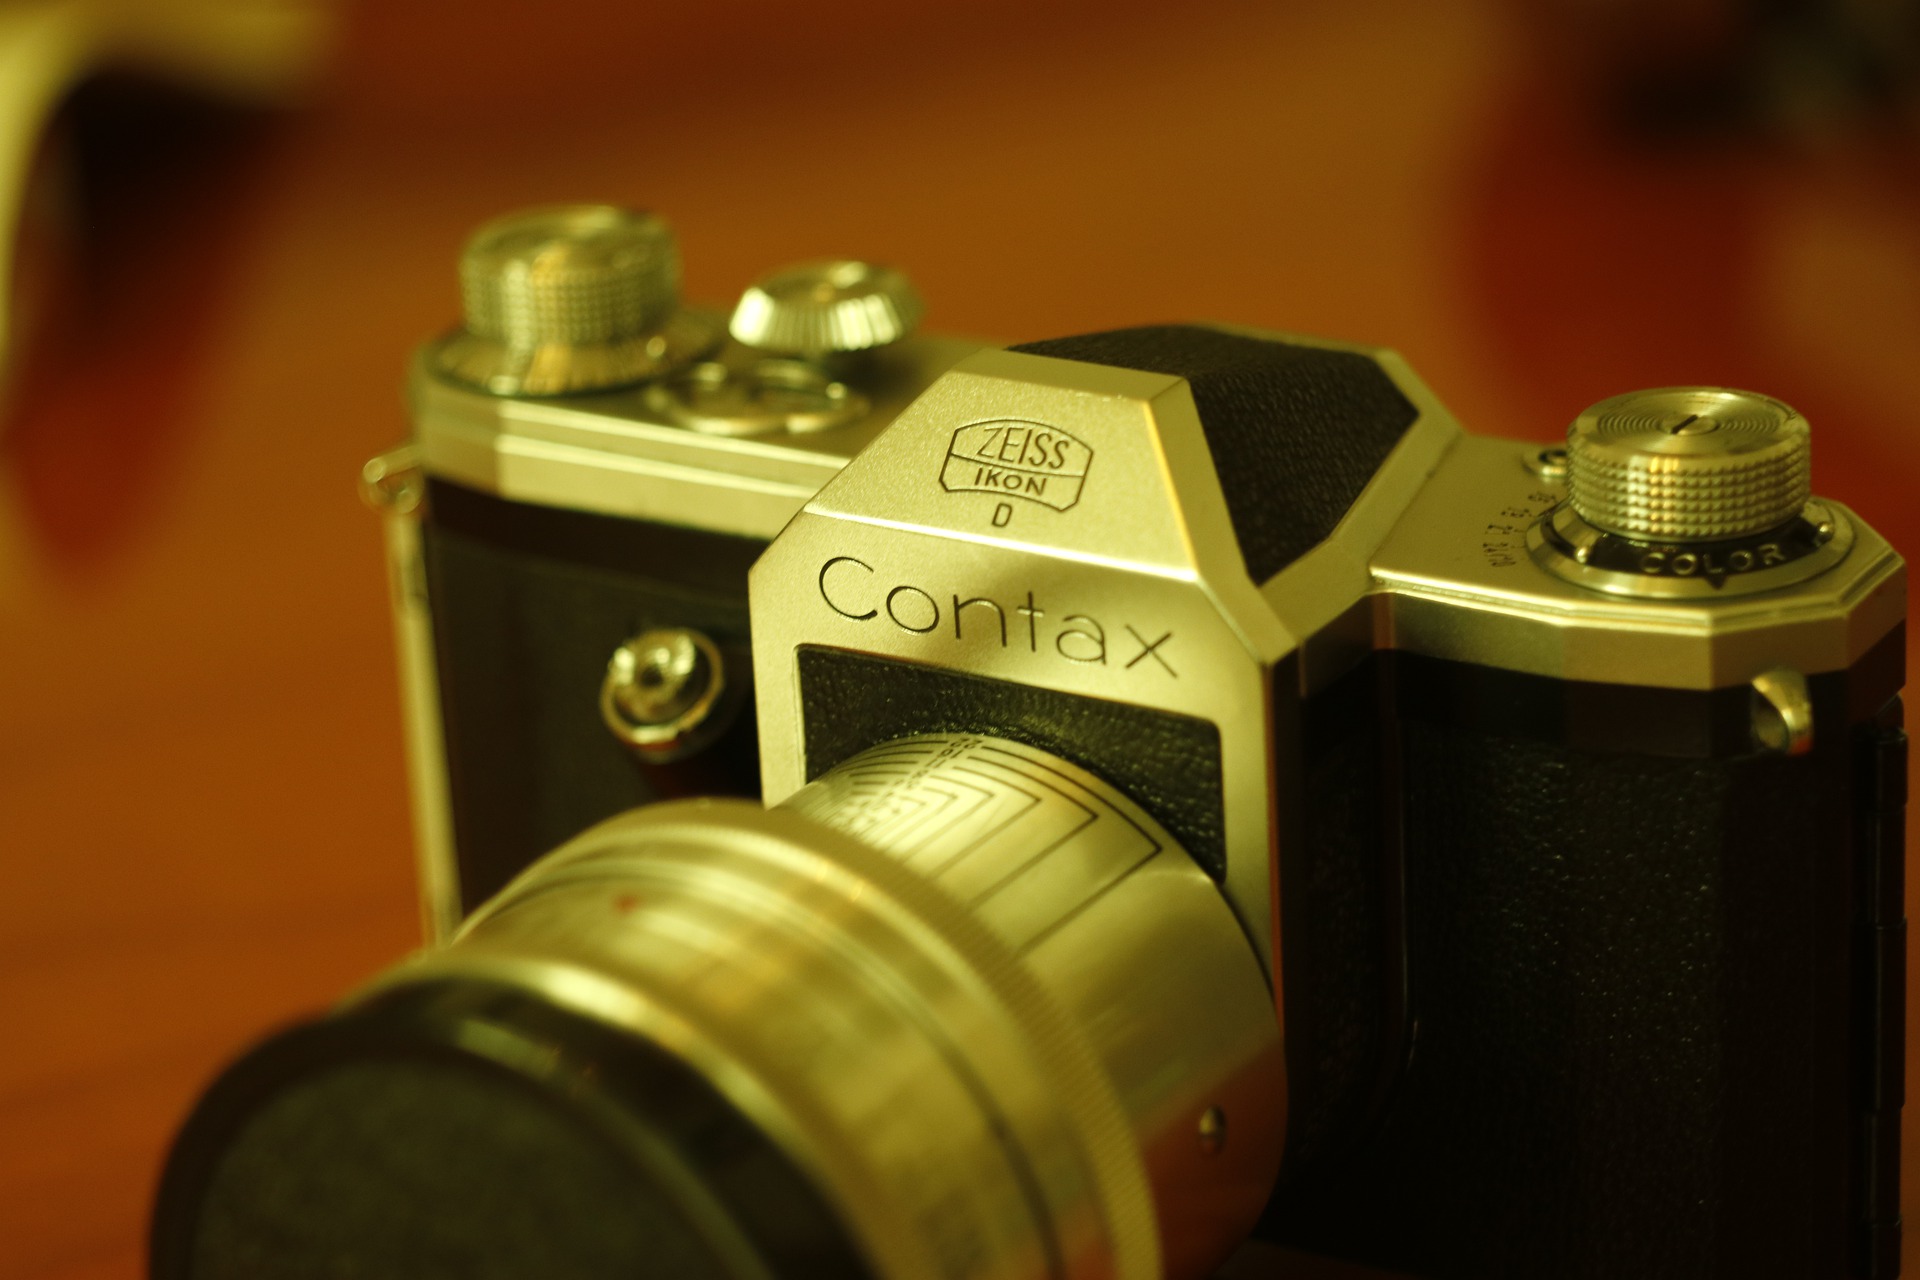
1208, 795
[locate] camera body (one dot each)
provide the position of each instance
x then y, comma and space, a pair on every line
1552, 798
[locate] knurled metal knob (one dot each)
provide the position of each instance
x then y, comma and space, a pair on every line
820, 309
571, 298
572, 274
1688, 464
661, 690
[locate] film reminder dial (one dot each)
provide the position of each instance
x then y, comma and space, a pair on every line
1688, 464
1689, 491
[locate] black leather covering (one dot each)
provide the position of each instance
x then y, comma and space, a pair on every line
1638, 1038
1340, 945
529, 603
1296, 432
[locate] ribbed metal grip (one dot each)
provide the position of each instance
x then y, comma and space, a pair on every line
827, 308
1688, 464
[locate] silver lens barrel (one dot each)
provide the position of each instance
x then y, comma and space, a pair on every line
957, 1010
1000, 1017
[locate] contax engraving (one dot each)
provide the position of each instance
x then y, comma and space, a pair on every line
1028, 460
853, 589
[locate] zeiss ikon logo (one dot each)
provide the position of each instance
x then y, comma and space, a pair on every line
1017, 460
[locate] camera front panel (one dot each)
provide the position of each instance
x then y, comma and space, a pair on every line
1044, 545
528, 604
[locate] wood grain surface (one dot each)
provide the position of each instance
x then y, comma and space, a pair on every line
202, 813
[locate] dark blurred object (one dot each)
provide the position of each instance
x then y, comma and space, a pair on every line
242, 51
127, 241
1260, 1261
1692, 68
128, 135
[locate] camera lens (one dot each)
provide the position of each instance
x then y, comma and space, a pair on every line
958, 1008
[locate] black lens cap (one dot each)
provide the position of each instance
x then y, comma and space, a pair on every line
468, 1129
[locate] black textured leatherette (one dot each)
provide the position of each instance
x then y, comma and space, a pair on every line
1168, 764
1340, 954
1635, 1043
1296, 432
528, 605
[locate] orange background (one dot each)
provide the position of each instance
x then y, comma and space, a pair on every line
203, 823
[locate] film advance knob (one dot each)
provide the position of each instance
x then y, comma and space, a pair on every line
1688, 464
571, 298
820, 309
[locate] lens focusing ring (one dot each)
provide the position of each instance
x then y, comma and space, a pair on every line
1688, 464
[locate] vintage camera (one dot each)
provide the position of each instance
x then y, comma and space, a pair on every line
1211, 796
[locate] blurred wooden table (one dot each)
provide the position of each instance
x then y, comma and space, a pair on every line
202, 816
